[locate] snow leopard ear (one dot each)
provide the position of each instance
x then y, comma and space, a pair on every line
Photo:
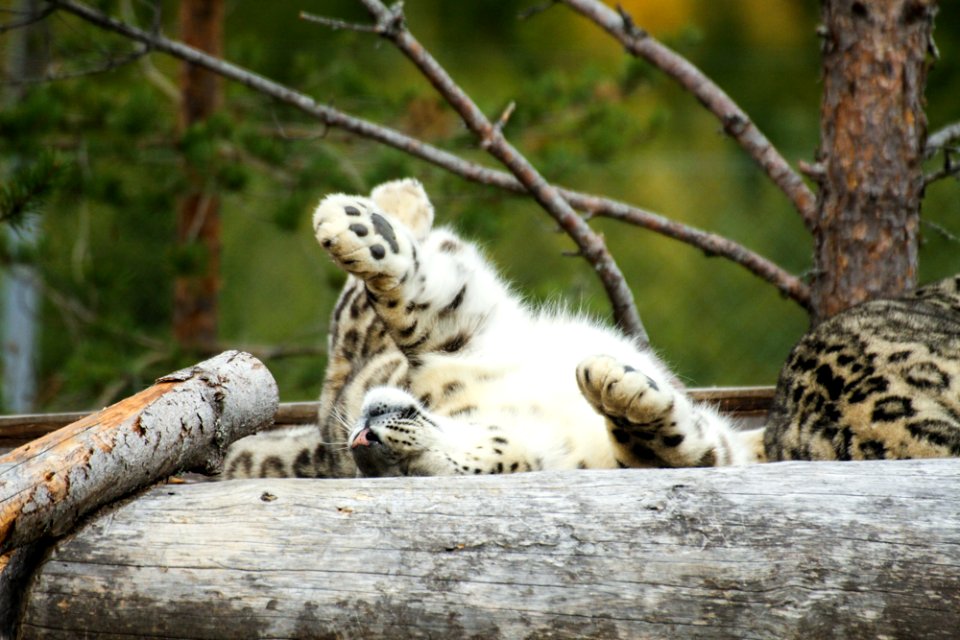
407, 201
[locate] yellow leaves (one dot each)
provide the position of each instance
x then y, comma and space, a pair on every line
659, 17
773, 23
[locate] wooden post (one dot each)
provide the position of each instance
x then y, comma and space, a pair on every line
787, 550
186, 420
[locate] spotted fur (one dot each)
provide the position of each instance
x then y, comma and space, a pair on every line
879, 381
436, 367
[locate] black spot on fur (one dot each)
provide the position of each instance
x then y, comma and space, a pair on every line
643, 453
843, 443
892, 408
620, 435
514, 466
319, 453
454, 344
452, 387
384, 229
455, 304
463, 411
709, 459
426, 400
416, 306
899, 356
833, 384
303, 465
672, 441
377, 251
408, 331
652, 383
927, 375
449, 246
244, 461
351, 211
872, 450
272, 466
869, 387
359, 230
499, 440
938, 433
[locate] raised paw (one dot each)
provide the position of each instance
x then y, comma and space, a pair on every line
619, 391
640, 412
364, 241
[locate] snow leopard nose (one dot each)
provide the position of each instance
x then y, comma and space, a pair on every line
365, 438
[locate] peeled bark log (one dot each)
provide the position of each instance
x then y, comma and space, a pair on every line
185, 421
788, 550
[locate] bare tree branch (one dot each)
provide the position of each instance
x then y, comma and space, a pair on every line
111, 63
390, 24
30, 19
788, 284
942, 138
950, 168
735, 121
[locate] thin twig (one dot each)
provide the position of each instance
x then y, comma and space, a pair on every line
338, 25
788, 284
941, 139
109, 65
735, 121
391, 24
949, 169
26, 22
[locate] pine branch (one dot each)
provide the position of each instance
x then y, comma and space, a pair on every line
788, 284
735, 121
26, 189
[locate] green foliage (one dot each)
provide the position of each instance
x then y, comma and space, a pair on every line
27, 187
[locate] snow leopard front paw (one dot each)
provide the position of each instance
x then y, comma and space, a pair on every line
364, 241
639, 410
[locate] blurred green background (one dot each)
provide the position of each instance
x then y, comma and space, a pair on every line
587, 115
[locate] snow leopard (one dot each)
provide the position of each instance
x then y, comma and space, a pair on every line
878, 381
437, 367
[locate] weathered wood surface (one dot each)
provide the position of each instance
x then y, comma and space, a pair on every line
790, 550
184, 421
15, 430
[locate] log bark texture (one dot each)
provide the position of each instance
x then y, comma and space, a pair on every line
788, 550
184, 421
873, 133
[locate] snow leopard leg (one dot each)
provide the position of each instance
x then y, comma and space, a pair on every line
433, 294
651, 423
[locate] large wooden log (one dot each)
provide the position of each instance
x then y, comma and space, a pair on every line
790, 550
184, 421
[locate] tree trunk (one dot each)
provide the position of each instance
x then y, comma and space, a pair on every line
27, 58
195, 316
789, 550
185, 421
873, 130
